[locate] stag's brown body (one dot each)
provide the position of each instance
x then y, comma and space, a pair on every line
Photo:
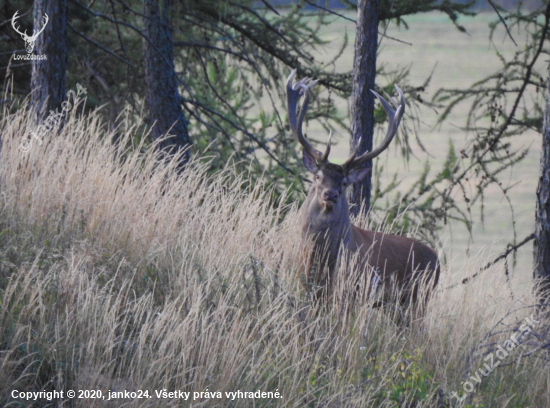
327, 232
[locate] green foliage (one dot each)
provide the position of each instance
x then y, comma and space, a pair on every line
422, 207
404, 378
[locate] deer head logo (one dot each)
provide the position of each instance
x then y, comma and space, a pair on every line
29, 40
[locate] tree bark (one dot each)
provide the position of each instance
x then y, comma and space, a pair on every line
163, 99
362, 102
48, 75
542, 212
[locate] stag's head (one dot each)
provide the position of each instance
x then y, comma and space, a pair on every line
331, 180
29, 40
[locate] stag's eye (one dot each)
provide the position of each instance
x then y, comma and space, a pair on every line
318, 177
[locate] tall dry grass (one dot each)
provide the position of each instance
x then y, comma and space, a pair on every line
118, 274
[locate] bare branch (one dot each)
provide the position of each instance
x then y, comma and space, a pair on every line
503, 21
108, 51
509, 249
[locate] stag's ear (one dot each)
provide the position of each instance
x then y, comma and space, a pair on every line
309, 162
356, 175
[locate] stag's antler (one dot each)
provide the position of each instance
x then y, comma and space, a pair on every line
294, 92
302, 87
394, 117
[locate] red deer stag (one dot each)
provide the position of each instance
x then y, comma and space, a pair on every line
324, 216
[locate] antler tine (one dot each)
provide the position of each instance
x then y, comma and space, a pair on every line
327, 150
294, 92
353, 153
394, 118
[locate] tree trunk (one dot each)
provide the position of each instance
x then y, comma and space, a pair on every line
362, 103
48, 75
163, 99
542, 212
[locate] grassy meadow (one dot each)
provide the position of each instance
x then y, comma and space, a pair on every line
117, 275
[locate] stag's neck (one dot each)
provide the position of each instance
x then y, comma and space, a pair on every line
327, 229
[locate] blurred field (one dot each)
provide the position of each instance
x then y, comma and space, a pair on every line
457, 61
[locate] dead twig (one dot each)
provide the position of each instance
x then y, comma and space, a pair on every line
509, 249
